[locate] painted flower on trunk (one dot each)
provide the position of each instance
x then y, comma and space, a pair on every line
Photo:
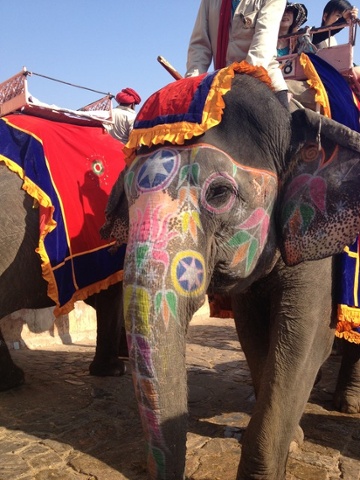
166, 303
150, 232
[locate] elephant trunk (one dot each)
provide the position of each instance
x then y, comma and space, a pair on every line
165, 281
156, 341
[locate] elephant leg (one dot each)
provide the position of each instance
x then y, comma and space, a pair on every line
111, 336
253, 328
300, 339
347, 392
10, 374
252, 314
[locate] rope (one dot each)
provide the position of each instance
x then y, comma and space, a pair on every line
27, 72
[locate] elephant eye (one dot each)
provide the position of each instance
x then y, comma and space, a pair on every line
220, 196
219, 193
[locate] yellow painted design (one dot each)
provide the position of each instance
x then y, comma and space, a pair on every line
190, 222
185, 221
137, 319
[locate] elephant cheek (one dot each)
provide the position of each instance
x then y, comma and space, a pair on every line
249, 242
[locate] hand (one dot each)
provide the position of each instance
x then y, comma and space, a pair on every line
351, 14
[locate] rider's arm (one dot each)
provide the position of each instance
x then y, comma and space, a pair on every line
321, 36
200, 51
264, 41
348, 16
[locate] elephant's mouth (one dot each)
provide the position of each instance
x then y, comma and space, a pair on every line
225, 280
222, 281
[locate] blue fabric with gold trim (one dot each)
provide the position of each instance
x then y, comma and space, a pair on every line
343, 108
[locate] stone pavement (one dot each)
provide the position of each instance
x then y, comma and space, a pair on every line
65, 425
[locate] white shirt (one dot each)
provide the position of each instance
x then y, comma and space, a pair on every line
253, 37
123, 118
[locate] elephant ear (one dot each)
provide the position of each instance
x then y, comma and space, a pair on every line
319, 208
117, 213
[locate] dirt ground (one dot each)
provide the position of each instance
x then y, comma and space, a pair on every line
66, 425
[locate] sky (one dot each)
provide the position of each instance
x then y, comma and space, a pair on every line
104, 45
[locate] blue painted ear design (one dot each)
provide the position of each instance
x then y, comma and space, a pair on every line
319, 211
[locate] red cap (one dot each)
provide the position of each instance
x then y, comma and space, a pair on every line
128, 96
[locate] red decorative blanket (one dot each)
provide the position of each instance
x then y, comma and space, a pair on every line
69, 170
186, 108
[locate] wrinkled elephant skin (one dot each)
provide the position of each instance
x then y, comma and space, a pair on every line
213, 215
22, 285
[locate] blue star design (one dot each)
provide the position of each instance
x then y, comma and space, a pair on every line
158, 170
190, 274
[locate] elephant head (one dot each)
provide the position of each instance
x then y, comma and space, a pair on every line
213, 214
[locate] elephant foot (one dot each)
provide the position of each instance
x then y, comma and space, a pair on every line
123, 350
111, 367
11, 378
347, 393
11, 375
297, 440
346, 402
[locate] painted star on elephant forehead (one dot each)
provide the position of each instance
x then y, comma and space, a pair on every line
156, 172
193, 274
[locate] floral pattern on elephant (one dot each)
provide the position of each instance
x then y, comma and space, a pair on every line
312, 196
145, 388
300, 215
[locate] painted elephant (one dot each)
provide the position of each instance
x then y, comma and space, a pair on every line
255, 207
22, 285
